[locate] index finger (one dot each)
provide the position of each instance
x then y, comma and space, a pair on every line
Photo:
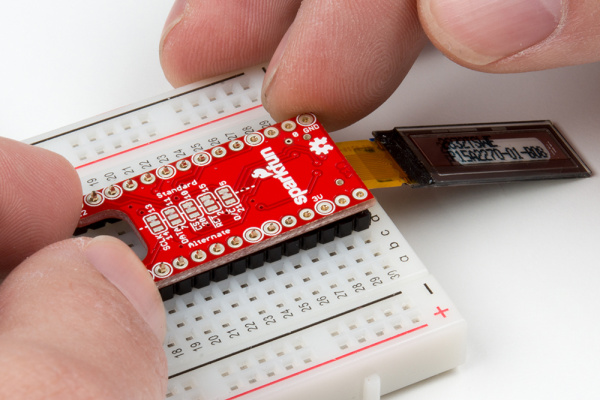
206, 38
340, 60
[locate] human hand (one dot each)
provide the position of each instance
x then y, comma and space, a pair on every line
338, 59
79, 318
342, 59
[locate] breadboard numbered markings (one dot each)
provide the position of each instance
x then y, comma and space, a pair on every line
327, 282
159, 120
94, 175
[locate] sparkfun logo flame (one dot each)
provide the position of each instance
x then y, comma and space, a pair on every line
278, 170
261, 173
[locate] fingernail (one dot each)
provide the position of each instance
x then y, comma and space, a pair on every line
120, 266
273, 67
485, 31
175, 16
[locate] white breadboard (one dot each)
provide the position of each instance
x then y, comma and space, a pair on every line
316, 325
127, 142
355, 318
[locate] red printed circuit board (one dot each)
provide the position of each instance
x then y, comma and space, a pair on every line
232, 200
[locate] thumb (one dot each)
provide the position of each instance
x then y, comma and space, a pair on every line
513, 35
81, 319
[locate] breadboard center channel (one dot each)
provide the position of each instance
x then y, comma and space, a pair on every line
352, 317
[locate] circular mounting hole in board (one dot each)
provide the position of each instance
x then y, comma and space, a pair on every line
271, 227
94, 199
162, 270
218, 152
324, 207
236, 145
253, 235
342, 200
216, 248
359, 193
147, 178
288, 126
289, 221
271, 132
180, 262
306, 119
202, 158
254, 139
130, 185
306, 214
165, 172
235, 242
198, 256
112, 192
183, 165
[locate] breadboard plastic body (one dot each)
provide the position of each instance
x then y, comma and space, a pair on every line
354, 318
127, 142
317, 325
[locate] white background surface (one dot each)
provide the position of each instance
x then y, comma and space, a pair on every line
521, 261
